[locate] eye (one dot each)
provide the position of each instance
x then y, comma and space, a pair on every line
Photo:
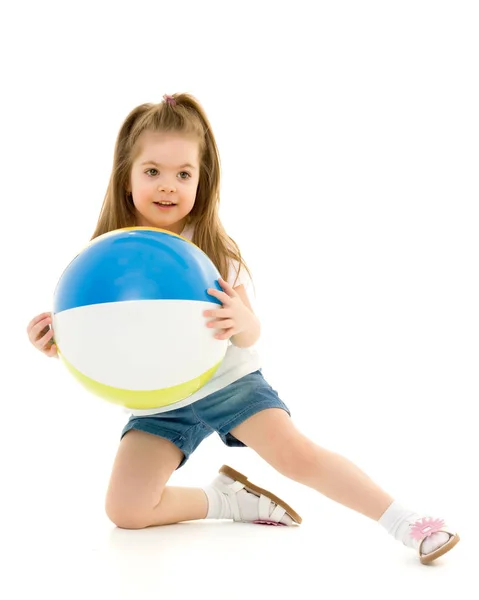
185, 173
151, 170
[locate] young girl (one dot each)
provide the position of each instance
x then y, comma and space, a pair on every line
166, 174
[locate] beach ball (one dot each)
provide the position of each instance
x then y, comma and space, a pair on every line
128, 322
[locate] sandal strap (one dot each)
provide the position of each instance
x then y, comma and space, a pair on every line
232, 489
264, 507
235, 487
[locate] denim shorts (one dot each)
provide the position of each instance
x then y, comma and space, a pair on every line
221, 411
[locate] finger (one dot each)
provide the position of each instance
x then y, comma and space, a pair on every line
37, 319
222, 324
42, 342
222, 296
52, 351
228, 288
225, 335
220, 313
40, 328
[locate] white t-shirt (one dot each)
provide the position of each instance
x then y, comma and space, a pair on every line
237, 362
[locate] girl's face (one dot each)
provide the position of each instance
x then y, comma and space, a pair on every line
164, 179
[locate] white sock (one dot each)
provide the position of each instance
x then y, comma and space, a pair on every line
219, 506
219, 503
397, 520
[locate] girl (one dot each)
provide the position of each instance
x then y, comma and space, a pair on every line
166, 174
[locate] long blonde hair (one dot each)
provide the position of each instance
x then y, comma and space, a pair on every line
185, 116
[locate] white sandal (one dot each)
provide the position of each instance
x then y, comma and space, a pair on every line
425, 527
266, 500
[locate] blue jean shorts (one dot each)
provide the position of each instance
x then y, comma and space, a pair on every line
221, 411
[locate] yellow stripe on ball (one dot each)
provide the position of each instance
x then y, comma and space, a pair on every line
142, 399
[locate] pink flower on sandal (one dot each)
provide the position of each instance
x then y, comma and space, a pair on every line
425, 527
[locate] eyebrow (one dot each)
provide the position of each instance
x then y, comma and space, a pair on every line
152, 162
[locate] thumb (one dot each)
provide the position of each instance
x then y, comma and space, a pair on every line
52, 351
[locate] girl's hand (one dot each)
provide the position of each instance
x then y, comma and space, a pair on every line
40, 334
233, 317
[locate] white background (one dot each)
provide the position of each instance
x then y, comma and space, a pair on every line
348, 133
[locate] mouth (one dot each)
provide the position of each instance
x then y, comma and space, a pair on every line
164, 204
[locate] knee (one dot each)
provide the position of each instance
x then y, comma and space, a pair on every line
127, 515
127, 520
297, 459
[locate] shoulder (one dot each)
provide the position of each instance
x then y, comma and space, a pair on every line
237, 274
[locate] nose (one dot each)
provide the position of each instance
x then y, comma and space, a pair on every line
166, 188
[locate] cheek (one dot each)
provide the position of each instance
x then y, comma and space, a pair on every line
192, 193
142, 191
187, 196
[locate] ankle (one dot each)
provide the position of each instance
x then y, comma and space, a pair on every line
219, 506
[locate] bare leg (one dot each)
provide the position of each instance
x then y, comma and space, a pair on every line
180, 504
137, 496
272, 434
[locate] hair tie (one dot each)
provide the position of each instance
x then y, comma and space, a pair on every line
169, 100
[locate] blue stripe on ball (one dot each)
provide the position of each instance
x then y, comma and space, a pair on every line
136, 264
